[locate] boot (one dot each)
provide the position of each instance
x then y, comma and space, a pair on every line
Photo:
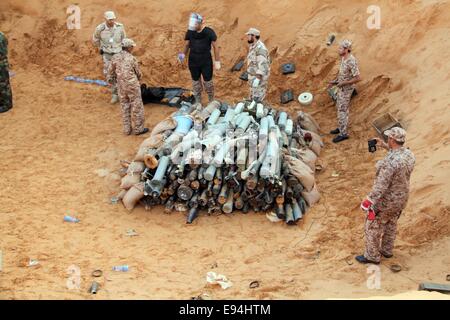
387, 256
364, 260
209, 88
4, 109
197, 91
335, 131
340, 138
114, 99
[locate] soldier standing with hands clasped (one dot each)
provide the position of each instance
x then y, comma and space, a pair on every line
388, 197
348, 75
258, 65
108, 38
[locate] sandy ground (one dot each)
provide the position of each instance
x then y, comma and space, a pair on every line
61, 146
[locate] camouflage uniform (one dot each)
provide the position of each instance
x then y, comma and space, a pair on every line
109, 41
5, 87
347, 71
124, 69
389, 196
258, 63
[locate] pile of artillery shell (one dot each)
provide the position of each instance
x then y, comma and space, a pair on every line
222, 159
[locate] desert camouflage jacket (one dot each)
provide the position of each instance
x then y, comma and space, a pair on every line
348, 70
258, 61
109, 39
391, 188
124, 68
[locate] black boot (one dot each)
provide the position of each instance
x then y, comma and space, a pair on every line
340, 138
335, 131
387, 256
4, 109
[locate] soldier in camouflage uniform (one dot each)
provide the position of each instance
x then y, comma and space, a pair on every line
5, 87
347, 77
124, 70
388, 197
258, 66
108, 37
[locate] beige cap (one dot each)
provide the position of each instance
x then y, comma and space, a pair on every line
109, 15
396, 133
346, 44
126, 43
253, 31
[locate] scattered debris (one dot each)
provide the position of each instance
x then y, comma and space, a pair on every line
1, 261
95, 286
254, 284
335, 174
244, 76
287, 96
395, 268
272, 216
220, 279
203, 296
331, 39
305, 98
71, 219
132, 233
385, 122
288, 68
238, 66
33, 263
349, 261
428, 286
97, 273
123, 268
114, 200
173, 97
448, 277
84, 80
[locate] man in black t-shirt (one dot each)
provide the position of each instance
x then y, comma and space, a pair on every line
199, 40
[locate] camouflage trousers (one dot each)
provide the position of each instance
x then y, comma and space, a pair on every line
132, 109
259, 93
342, 105
197, 88
106, 62
5, 90
380, 235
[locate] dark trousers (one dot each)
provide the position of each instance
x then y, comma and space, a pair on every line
205, 70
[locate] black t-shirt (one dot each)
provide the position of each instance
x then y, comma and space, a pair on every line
200, 45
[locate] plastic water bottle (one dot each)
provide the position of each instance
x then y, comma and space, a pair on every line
71, 219
101, 83
123, 268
